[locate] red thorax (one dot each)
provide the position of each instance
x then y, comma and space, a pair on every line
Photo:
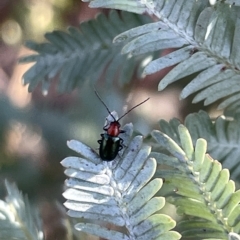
114, 129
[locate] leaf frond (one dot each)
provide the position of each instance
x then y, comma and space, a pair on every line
206, 39
119, 192
84, 53
224, 132
212, 204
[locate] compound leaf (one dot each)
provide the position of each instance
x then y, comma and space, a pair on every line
205, 39
203, 191
84, 53
224, 132
118, 192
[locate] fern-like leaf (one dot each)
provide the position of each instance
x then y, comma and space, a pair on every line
118, 192
222, 135
207, 42
84, 53
203, 191
17, 219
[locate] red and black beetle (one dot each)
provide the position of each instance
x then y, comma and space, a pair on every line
111, 143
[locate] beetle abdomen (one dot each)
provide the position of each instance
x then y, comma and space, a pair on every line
109, 147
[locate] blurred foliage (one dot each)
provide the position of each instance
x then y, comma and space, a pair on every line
30, 135
33, 136
36, 17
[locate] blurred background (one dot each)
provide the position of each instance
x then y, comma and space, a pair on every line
34, 128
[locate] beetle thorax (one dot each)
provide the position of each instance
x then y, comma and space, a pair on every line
114, 129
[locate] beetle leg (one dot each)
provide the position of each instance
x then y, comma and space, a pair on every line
100, 141
121, 145
121, 142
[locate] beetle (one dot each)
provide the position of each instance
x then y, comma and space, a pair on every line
111, 143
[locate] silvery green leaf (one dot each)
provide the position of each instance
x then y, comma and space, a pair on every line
118, 192
85, 52
205, 42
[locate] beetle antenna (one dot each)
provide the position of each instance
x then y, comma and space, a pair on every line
133, 108
104, 105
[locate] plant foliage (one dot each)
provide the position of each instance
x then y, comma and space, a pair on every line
118, 192
84, 54
17, 219
206, 42
203, 191
121, 199
224, 132
205, 38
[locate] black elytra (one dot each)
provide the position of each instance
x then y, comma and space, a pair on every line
109, 147
111, 143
